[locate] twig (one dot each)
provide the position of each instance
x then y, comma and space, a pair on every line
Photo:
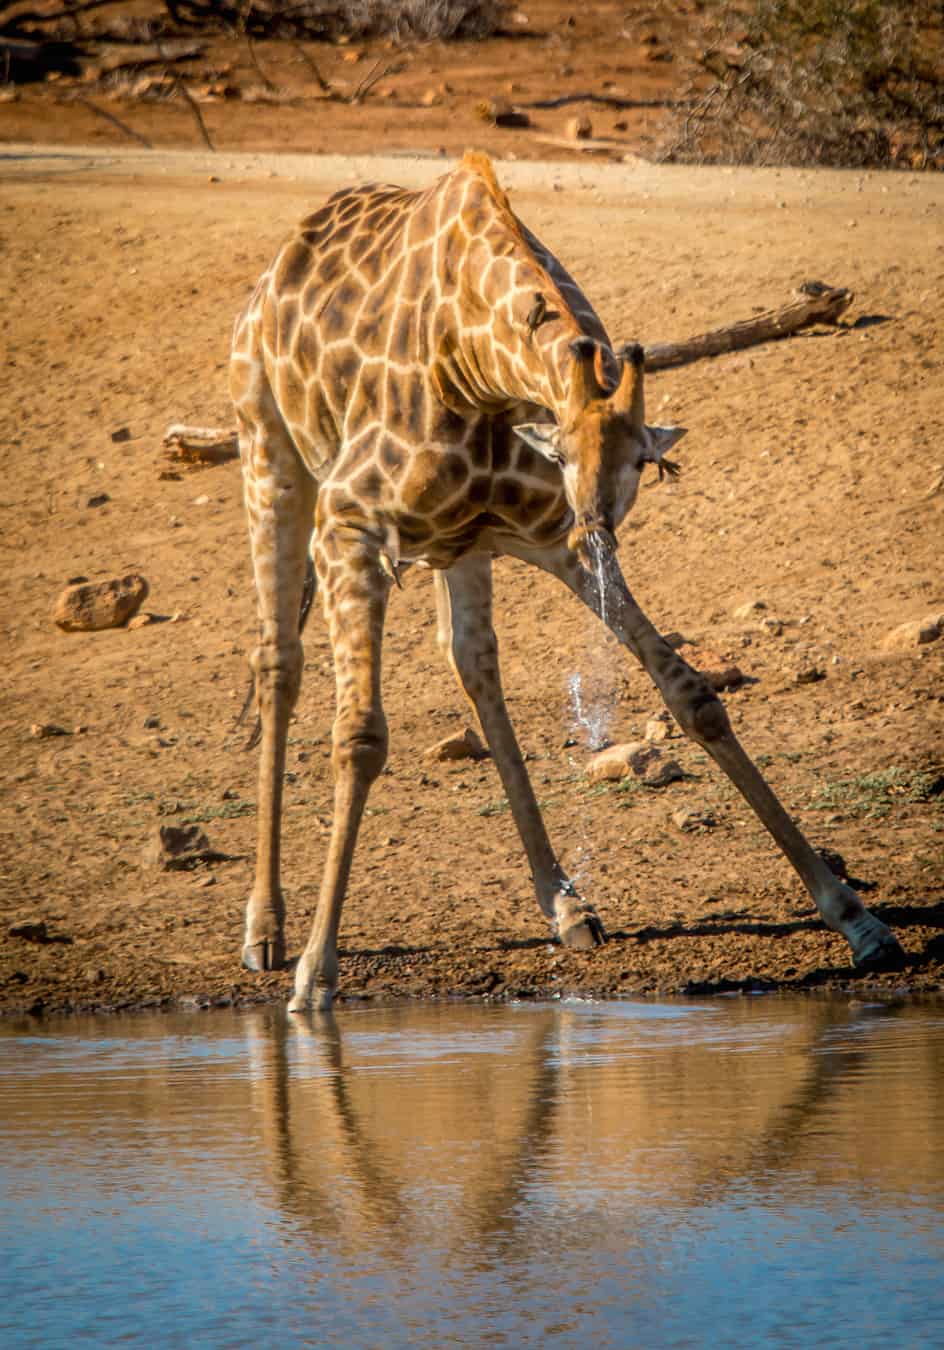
606, 100
369, 80
194, 107
251, 47
115, 121
323, 84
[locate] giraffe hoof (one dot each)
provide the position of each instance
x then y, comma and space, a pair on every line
886, 953
584, 933
267, 954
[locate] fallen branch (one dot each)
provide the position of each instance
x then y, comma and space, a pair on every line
200, 445
604, 100
815, 303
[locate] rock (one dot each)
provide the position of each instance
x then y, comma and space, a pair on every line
139, 621
94, 605
500, 113
43, 730
175, 848
579, 128
462, 745
808, 675
717, 669
120, 435
914, 633
691, 818
750, 610
660, 727
99, 499
660, 775
618, 761
29, 930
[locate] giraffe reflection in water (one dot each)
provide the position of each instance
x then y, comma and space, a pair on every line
443, 1130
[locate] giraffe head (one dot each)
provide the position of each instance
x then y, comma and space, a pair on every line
602, 442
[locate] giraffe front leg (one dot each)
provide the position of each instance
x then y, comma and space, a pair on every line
467, 637
702, 716
354, 591
280, 499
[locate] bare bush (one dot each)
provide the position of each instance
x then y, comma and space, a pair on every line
405, 20
833, 82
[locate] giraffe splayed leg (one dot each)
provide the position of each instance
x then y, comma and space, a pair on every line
466, 636
702, 716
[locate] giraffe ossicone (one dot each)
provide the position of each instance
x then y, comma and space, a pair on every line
419, 381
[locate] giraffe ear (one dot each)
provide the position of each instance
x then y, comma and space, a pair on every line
663, 438
544, 437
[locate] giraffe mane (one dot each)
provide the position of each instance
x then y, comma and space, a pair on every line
478, 162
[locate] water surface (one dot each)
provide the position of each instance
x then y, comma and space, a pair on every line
744, 1171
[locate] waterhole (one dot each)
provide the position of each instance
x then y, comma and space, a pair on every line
752, 1171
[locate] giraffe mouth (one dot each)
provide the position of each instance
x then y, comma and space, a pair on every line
593, 541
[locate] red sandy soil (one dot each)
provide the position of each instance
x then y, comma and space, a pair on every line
809, 483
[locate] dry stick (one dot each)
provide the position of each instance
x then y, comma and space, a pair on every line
115, 121
251, 46
606, 100
194, 107
369, 80
816, 303
323, 84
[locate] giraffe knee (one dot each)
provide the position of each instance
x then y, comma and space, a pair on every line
710, 718
277, 671
360, 747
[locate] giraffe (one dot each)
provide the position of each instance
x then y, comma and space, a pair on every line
418, 381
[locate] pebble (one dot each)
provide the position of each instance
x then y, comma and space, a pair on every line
690, 819
914, 633
461, 745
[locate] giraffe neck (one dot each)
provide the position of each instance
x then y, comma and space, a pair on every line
494, 349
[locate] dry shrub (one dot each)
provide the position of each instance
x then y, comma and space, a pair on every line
847, 83
404, 20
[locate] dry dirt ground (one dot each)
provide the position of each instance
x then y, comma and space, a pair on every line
809, 484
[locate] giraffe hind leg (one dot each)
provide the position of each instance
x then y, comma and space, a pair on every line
308, 596
280, 501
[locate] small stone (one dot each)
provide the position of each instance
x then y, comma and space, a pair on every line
690, 819
430, 97
44, 730
176, 848
915, 633
717, 669
99, 499
152, 723
660, 727
619, 761
461, 745
140, 621
120, 435
749, 610
94, 975
808, 675
94, 605
202, 500
29, 930
661, 775
578, 128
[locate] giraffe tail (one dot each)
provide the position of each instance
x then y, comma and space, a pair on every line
308, 595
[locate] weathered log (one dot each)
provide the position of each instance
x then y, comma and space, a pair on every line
815, 303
